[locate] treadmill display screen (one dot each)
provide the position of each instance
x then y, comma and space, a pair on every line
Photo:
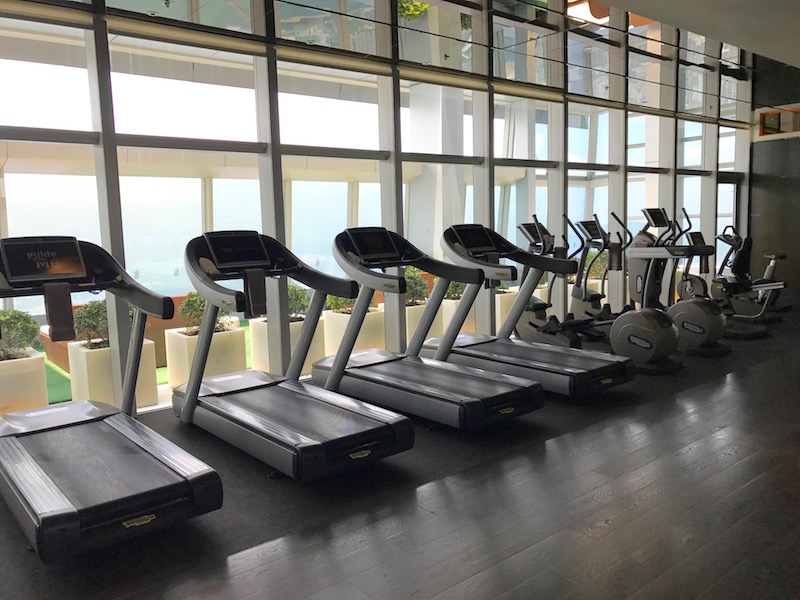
474, 238
237, 249
696, 239
591, 229
373, 243
42, 259
657, 217
531, 232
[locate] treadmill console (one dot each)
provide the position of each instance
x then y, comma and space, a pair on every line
474, 238
590, 230
237, 250
34, 260
657, 217
373, 243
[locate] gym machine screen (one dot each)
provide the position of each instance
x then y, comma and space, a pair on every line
657, 217
372, 243
696, 239
474, 238
591, 230
235, 250
32, 260
531, 232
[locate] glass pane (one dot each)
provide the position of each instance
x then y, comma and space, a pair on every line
319, 214
726, 216
234, 16
43, 203
588, 133
524, 53
643, 192
519, 194
170, 90
521, 127
439, 35
436, 119
437, 196
237, 204
690, 144
343, 24
44, 78
587, 195
691, 89
369, 205
645, 135
644, 33
588, 67
645, 87
309, 96
688, 197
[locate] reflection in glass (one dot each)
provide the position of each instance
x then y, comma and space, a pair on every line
343, 24
233, 15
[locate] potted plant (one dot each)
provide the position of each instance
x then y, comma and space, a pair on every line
503, 299
259, 332
90, 360
451, 299
226, 355
23, 383
335, 320
416, 296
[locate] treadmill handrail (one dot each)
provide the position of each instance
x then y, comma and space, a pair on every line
361, 272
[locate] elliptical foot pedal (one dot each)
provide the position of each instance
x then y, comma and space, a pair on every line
660, 367
708, 351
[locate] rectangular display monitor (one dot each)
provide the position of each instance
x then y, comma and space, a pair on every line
531, 232
373, 243
474, 238
237, 249
657, 217
696, 239
42, 260
590, 229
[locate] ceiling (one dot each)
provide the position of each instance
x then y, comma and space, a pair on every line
769, 28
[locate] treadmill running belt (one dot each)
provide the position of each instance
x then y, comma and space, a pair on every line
336, 428
95, 466
550, 359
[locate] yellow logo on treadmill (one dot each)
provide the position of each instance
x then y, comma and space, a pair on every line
138, 521
360, 454
606, 381
507, 411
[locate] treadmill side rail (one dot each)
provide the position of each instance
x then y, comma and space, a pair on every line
24, 422
47, 517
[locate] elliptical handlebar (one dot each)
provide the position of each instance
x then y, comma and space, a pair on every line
628, 234
576, 232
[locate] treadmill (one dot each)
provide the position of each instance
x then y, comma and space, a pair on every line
79, 475
461, 397
300, 430
562, 370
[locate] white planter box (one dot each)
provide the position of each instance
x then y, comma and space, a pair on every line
226, 355
413, 315
448, 309
372, 334
90, 374
259, 351
502, 305
23, 383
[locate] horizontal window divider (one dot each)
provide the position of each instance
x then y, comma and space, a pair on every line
693, 172
526, 163
187, 34
550, 27
645, 170
736, 73
173, 143
58, 136
331, 58
686, 63
591, 167
734, 124
578, 99
441, 76
696, 118
594, 37
466, 4
649, 54
445, 159
730, 177
527, 90
635, 109
326, 152
79, 15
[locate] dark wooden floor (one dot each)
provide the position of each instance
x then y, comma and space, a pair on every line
695, 495
696, 498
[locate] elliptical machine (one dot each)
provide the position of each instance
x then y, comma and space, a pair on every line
700, 322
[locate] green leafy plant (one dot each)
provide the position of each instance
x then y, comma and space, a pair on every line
599, 266
298, 301
19, 330
411, 9
455, 290
341, 305
416, 287
192, 310
91, 324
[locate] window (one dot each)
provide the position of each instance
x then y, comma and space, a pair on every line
521, 128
